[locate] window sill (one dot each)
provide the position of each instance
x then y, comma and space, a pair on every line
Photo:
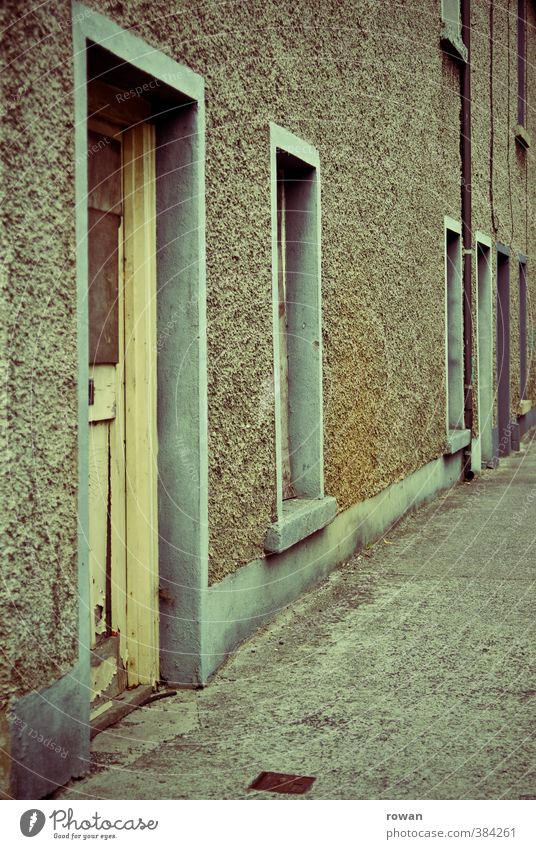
524, 407
522, 136
301, 518
452, 42
457, 439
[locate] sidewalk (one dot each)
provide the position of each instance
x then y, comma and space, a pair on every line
409, 674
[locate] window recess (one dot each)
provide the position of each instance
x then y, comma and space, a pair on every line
457, 435
301, 505
525, 403
502, 349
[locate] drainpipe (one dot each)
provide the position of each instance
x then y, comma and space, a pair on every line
467, 228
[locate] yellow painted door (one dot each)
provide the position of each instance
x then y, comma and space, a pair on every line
122, 409
107, 504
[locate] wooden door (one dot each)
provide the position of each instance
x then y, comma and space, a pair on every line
485, 352
107, 502
122, 406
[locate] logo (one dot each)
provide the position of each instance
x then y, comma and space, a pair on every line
31, 822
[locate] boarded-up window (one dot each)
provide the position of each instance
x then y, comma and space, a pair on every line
298, 281
455, 386
104, 211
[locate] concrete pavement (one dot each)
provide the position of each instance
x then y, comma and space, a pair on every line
409, 674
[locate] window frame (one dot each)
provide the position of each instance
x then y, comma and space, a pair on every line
503, 363
523, 335
309, 509
458, 436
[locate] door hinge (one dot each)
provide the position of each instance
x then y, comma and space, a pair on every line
91, 392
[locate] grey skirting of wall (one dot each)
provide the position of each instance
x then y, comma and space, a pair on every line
49, 730
49, 733
527, 421
243, 602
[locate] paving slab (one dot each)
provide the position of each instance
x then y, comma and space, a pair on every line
409, 674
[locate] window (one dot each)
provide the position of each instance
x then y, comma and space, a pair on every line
301, 506
454, 325
297, 278
299, 326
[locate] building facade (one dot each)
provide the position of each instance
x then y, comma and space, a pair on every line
267, 287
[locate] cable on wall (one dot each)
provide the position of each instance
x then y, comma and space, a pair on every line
494, 221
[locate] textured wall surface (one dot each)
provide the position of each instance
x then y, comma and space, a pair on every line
375, 95
39, 625
503, 188
380, 100
530, 212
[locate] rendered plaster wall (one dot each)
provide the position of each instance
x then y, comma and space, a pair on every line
368, 85
374, 93
531, 204
504, 189
39, 623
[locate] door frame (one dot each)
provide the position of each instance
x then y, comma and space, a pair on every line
180, 345
502, 351
141, 444
523, 300
484, 349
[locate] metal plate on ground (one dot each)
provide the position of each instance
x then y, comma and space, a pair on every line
281, 782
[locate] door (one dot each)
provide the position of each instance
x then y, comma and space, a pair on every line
121, 402
485, 352
522, 329
503, 354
